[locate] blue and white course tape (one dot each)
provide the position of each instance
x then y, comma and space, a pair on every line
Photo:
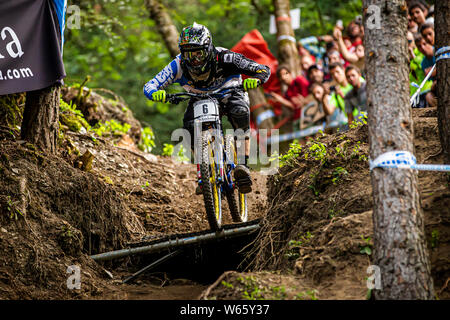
404, 160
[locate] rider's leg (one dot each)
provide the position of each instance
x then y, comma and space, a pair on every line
237, 110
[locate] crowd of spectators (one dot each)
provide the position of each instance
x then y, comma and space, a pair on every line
331, 87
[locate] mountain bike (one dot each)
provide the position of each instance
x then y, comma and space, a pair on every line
216, 157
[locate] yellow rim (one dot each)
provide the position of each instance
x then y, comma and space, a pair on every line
213, 182
242, 204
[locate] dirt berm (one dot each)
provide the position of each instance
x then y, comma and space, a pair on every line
316, 238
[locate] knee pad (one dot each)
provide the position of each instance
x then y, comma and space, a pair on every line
240, 117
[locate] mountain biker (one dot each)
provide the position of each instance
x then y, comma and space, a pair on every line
203, 68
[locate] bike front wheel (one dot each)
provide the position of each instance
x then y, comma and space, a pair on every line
210, 187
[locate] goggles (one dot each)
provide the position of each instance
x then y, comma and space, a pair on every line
195, 57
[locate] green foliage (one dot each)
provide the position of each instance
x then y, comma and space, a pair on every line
338, 173
111, 128
434, 238
167, 150
72, 117
315, 150
313, 185
367, 248
145, 185
292, 252
289, 157
108, 180
369, 294
147, 140
12, 209
303, 239
252, 290
227, 285
11, 110
318, 151
181, 156
362, 120
279, 292
333, 213
356, 152
308, 294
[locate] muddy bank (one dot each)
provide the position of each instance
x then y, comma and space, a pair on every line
317, 234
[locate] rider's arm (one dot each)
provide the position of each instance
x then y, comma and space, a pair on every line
239, 64
167, 76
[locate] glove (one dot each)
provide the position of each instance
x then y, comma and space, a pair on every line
159, 96
250, 83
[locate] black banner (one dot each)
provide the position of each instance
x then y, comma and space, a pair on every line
30, 45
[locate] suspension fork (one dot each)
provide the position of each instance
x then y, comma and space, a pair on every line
218, 148
220, 152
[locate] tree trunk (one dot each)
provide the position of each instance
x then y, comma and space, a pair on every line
40, 125
287, 46
260, 106
442, 27
164, 24
400, 249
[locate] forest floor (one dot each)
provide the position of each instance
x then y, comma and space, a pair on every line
312, 245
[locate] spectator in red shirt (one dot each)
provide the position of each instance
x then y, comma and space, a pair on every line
296, 92
354, 32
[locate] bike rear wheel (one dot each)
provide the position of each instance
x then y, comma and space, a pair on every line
210, 187
237, 202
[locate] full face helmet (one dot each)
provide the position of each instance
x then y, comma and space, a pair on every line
196, 48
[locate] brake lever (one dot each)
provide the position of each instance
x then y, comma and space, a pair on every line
176, 100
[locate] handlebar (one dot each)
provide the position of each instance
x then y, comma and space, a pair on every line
176, 98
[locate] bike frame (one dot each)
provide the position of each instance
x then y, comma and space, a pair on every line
217, 156
224, 176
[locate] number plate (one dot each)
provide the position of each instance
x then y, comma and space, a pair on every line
205, 110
